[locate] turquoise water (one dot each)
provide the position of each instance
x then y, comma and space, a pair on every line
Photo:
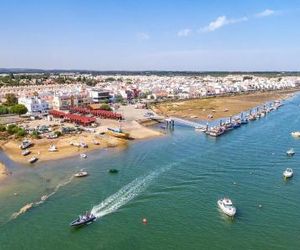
174, 181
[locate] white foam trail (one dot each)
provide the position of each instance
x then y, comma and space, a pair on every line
125, 194
28, 206
45, 197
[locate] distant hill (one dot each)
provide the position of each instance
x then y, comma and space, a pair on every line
151, 72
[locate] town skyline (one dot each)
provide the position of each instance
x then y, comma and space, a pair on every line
151, 36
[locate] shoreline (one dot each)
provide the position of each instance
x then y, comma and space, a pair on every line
40, 147
219, 107
4, 173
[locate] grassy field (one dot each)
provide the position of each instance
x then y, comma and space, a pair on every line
218, 107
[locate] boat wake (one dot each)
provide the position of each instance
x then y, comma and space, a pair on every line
30, 205
125, 194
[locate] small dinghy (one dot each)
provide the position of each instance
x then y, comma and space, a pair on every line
290, 152
227, 207
296, 134
113, 171
83, 156
25, 152
52, 148
83, 220
81, 173
288, 173
33, 159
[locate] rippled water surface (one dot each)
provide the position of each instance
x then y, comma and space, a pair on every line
174, 181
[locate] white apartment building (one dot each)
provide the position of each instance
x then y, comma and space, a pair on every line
99, 95
34, 104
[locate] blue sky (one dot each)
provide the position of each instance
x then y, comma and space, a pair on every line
151, 35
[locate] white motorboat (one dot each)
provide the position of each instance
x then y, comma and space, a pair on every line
288, 173
290, 152
25, 144
296, 134
32, 159
81, 173
96, 143
26, 152
52, 148
227, 207
83, 156
83, 145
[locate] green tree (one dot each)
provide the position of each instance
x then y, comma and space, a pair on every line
11, 99
35, 135
118, 98
12, 129
110, 79
21, 132
3, 110
2, 128
105, 106
58, 133
19, 109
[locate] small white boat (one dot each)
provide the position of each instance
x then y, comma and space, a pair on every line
290, 152
83, 145
83, 156
25, 144
288, 173
296, 134
227, 207
25, 152
32, 159
52, 148
81, 173
96, 143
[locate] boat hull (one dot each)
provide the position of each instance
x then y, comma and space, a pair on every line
77, 223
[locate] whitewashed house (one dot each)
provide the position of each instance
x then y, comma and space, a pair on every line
34, 104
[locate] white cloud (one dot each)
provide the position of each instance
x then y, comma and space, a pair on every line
265, 13
220, 22
143, 36
184, 32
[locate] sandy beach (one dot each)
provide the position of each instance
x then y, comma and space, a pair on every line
40, 147
219, 107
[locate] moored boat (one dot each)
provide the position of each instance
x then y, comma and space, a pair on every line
113, 171
81, 173
296, 134
52, 148
25, 144
215, 131
32, 159
118, 132
290, 152
83, 156
288, 173
227, 207
25, 152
